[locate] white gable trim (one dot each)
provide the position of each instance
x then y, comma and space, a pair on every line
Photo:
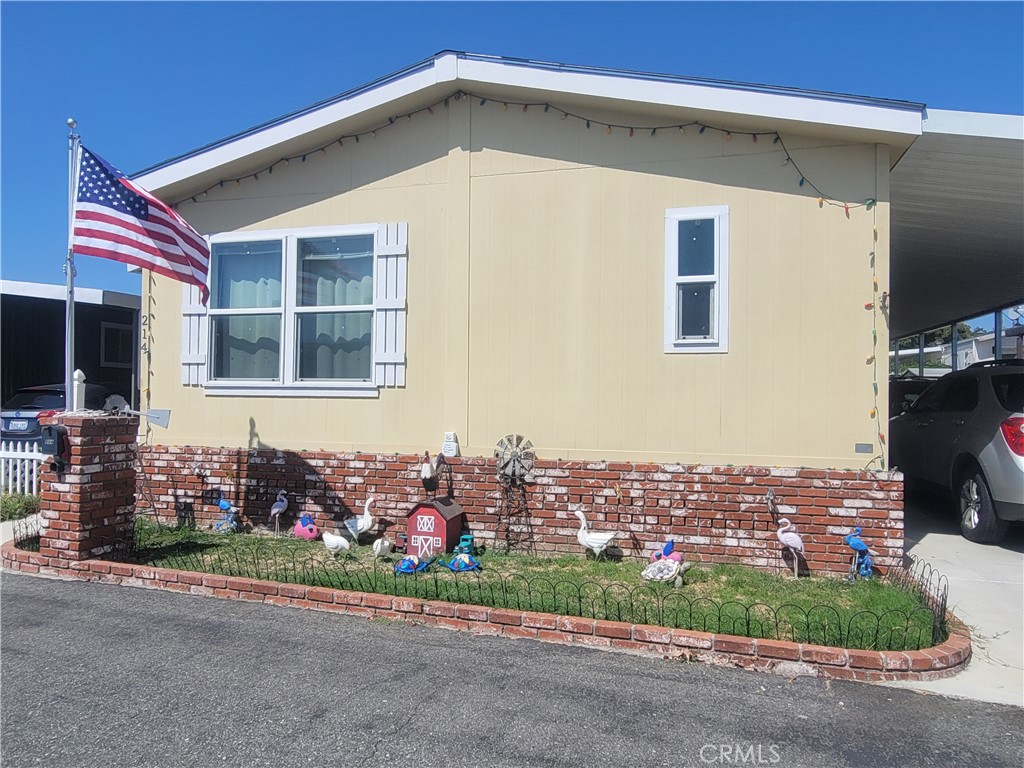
466, 72
289, 129
709, 98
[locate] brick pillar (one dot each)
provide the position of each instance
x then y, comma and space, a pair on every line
92, 503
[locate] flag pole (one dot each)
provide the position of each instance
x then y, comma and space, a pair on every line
69, 268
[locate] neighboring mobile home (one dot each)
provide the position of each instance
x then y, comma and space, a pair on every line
652, 271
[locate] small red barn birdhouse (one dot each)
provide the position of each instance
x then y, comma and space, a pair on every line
434, 527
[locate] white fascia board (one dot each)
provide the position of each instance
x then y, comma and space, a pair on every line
441, 71
981, 124
807, 109
59, 293
464, 72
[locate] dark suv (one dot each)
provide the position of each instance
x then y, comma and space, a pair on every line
19, 416
904, 390
965, 434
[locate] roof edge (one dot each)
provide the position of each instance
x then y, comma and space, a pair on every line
884, 116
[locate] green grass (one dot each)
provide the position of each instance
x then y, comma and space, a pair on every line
729, 599
14, 506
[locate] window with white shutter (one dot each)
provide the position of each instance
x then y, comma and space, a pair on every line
319, 311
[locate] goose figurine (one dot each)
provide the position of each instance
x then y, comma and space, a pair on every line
382, 547
357, 526
596, 541
791, 540
278, 509
336, 544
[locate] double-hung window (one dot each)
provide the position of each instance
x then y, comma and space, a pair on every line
696, 279
305, 312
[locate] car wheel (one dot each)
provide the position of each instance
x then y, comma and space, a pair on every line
978, 521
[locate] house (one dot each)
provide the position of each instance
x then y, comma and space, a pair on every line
32, 318
672, 286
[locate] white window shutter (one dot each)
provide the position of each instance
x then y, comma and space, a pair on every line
194, 335
390, 299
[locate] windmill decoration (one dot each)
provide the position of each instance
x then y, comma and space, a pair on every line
516, 459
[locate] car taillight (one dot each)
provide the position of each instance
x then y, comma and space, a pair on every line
44, 414
1013, 432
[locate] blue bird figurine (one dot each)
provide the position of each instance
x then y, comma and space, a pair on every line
861, 565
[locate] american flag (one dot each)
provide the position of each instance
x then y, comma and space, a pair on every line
116, 219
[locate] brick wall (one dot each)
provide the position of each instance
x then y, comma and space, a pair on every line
715, 514
93, 502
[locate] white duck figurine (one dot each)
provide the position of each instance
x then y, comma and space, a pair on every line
791, 540
596, 541
336, 543
278, 509
382, 547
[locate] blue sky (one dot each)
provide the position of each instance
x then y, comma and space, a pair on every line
147, 81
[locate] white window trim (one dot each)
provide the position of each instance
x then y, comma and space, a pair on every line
719, 342
104, 363
287, 384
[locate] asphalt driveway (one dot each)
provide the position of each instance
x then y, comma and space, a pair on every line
97, 675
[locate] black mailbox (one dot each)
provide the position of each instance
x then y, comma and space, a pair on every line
56, 447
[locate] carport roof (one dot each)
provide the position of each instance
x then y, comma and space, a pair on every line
957, 220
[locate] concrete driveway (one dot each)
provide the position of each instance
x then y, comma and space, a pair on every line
986, 591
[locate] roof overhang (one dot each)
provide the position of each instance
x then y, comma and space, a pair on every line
738, 106
957, 221
59, 293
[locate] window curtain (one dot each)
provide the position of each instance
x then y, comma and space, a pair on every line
335, 345
335, 272
247, 276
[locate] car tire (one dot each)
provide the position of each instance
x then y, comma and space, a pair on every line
978, 520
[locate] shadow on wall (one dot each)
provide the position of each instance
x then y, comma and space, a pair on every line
251, 479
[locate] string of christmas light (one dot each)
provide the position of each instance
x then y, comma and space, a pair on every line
564, 114
875, 305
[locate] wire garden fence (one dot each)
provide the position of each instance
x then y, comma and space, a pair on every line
281, 560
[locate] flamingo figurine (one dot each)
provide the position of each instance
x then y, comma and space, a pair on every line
278, 509
596, 541
791, 540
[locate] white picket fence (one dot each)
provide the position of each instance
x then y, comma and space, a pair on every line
19, 467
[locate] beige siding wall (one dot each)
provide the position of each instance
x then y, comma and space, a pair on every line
536, 261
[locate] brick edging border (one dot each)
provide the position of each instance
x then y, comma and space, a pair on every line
779, 656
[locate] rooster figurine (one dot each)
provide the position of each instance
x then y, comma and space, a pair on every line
428, 475
337, 544
596, 541
278, 509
